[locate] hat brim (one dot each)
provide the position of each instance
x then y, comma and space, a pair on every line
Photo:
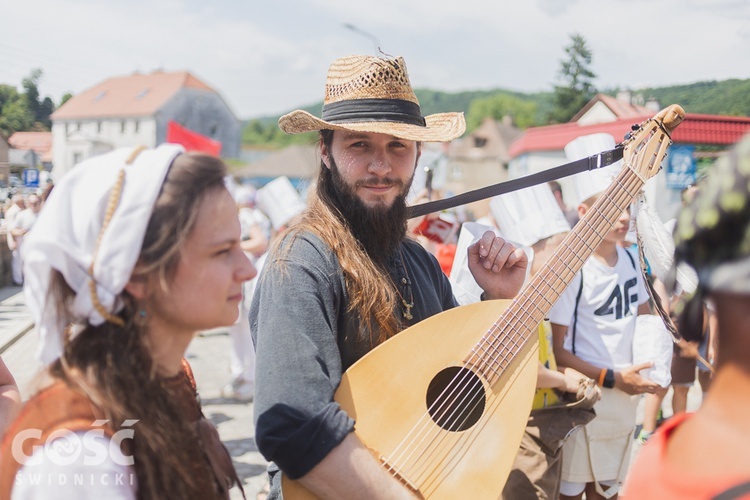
440, 127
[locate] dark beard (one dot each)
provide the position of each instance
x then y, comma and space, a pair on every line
380, 230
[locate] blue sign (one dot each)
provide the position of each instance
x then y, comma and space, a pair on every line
680, 167
31, 177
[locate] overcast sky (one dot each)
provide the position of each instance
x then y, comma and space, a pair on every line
266, 57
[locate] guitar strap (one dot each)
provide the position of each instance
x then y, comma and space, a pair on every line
734, 493
592, 162
656, 301
575, 314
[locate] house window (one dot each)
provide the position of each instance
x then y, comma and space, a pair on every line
67, 128
136, 125
122, 126
98, 127
78, 126
214, 128
77, 157
480, 142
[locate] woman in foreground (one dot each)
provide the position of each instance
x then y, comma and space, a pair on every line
134, 253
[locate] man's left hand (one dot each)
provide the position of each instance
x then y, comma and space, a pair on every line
498, 267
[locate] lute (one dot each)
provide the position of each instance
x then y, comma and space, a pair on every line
443, 404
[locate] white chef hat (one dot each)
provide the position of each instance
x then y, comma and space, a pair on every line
528, 215
596, 181
91, 229
279, 201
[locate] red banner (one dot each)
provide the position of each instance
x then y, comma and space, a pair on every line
192, 141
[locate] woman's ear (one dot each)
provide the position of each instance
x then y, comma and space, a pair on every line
137, 287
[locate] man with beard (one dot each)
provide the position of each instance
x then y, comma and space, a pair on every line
346, 278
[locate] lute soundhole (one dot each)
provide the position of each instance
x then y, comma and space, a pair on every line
456, 399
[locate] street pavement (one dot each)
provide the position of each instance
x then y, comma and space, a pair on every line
209, 357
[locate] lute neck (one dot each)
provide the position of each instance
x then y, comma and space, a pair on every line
509, 334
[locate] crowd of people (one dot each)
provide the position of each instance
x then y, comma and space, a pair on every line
137, 250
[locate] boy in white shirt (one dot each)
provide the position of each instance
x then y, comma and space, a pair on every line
592, 329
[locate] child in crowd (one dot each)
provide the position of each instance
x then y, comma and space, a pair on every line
593, 323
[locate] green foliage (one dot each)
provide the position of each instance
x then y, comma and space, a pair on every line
14, 113
497, 106
432, 101
577, 78
258, 133
729, 97
24, 112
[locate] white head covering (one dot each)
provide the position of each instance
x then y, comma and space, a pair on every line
528, 215
69, 228
279, 201
592, 182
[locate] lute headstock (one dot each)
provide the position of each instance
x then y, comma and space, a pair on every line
646, 146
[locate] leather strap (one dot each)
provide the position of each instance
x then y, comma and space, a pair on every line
660, 310
592, 162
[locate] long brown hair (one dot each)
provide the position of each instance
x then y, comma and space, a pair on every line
372, 296
111, 364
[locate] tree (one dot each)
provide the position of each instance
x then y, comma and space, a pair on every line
40, 109
14, 113
23, 112
499, 106
577, 88
65, 98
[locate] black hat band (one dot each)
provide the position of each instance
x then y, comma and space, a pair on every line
373, 110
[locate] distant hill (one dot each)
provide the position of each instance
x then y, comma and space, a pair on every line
728, 97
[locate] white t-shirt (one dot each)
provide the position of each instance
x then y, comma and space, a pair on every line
606, 311
25, 220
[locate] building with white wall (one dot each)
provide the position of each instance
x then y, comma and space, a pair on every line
135, 110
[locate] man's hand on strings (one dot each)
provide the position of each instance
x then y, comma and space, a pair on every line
498, 267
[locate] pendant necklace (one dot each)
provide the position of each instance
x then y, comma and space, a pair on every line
406, 282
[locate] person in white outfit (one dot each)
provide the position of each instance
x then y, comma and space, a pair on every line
22, 224
256, 230
593, 324
18, 204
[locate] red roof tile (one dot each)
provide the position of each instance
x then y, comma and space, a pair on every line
134, 95
695, 129
39, 142
620, 109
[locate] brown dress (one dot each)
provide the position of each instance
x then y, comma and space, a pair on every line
60, 407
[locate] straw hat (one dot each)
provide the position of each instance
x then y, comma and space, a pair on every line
373, 94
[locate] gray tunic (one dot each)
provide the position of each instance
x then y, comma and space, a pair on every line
305, 340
